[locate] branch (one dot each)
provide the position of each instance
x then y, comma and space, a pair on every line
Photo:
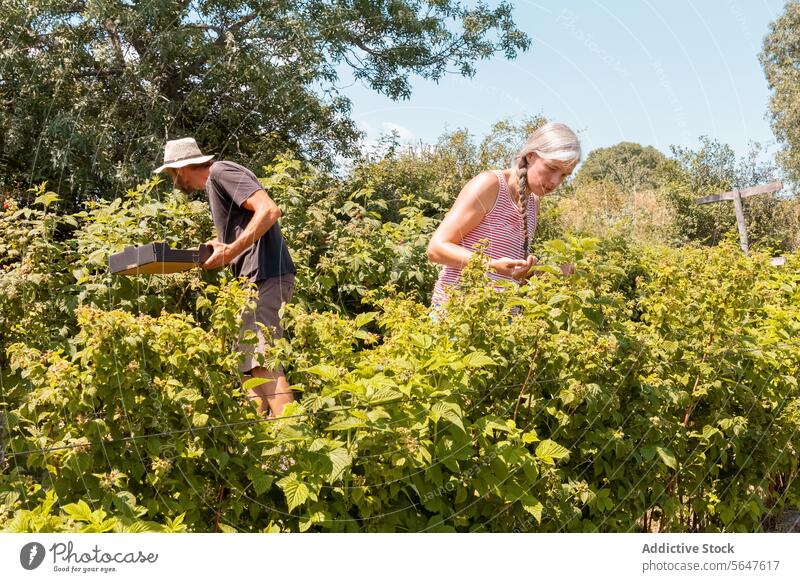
74, 8
223, 32
243, 21
202, 26
113, 37
442, 56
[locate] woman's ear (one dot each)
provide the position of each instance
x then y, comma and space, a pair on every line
530, 157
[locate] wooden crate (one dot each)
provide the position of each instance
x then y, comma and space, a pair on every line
156, 259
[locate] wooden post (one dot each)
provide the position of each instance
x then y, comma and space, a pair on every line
737, 195
740, 223
2, 444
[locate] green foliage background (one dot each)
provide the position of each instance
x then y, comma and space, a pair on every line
654, 390
780, 59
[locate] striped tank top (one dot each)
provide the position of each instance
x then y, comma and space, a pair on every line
502, 227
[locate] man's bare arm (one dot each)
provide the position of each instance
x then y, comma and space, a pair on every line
265, 214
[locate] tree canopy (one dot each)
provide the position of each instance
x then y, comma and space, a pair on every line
91, 89
781, 61
627, 165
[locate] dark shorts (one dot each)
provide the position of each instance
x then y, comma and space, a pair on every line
272, 294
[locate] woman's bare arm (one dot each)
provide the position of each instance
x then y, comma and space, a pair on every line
474, 202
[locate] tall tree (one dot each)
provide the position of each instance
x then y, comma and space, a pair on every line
628, 166
90, 89
781, 61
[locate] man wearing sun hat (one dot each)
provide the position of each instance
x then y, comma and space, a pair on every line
249, 241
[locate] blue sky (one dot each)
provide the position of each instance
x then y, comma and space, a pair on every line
653, 72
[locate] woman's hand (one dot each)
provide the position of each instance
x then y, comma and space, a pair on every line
525, 272
514, 268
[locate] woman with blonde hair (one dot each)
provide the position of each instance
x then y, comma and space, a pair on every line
502, 206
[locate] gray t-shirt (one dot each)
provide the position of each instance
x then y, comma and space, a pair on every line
228, 186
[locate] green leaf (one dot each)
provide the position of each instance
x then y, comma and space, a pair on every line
447, 411
549, 451
477, 360
70, 220
144, 527
556, 245
533, 506
253, 383
79, 511
421, 341
324, 371
667, 457
709, 431
199, 419
558, 298
47, 199
309, 520
363, 319
610, 269
176, 525
296, 491
382, 395
546, 269
341, 460
346, 424
261, 481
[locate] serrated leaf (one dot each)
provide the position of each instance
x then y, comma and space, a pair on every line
477, 360
324, 371
346, 424
295, 491
341, 460
534, 507
70, 220
421, 341
176, 525
558, 298
648, 453
79, 511
199, 419
447, 411
382, 395
47, 199
549, 451
363, 319
261, 481
144, 527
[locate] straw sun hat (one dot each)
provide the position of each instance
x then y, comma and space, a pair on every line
182, 152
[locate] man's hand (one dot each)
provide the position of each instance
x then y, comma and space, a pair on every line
221, 256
